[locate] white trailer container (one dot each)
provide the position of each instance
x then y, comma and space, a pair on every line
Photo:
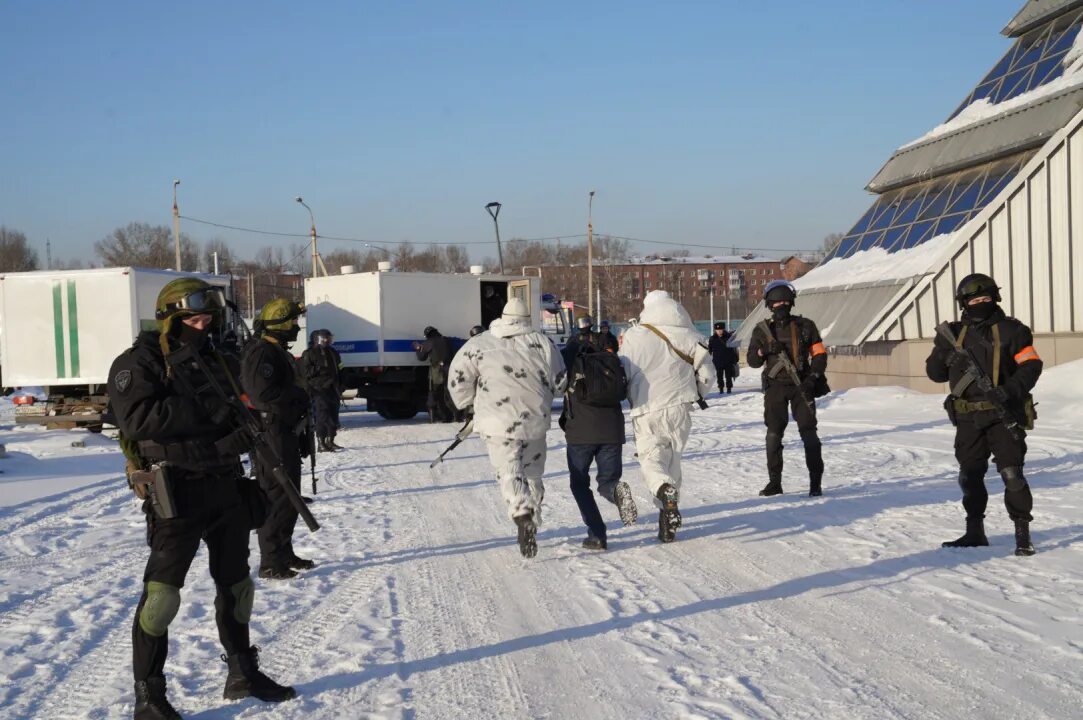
62, 329
377, 316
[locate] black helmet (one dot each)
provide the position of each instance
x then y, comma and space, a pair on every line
476, 330
430, 331
777, 290
976, 285
322, 336
720, 326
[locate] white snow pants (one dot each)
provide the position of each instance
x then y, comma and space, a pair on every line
660, 439
519, 466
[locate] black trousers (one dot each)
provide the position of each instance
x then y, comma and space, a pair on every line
724, 373
779, 401
276, 533
174, 544
325, 405
975, 439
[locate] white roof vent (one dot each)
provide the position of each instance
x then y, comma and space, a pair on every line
384, 266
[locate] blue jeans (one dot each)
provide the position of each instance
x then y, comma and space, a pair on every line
610, 467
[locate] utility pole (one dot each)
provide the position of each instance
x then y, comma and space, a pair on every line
493, 209
316, 261
48, 254
176, 225
590, 254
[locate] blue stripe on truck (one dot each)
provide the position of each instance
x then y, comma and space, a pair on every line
371, 346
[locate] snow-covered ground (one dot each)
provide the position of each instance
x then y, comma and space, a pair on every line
839, 607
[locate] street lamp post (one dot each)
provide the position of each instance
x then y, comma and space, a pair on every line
176, 225
494, 209
315, 252
590, 255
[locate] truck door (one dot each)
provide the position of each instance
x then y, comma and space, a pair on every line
493, 297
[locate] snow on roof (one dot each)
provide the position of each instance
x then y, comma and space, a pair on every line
982, 110
877, 264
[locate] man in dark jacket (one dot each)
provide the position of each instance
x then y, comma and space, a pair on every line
1003, 348
798, 339
594, 434
436, 350
584, 335
723, 356
605, 339
190, 440
319, 365
272, 380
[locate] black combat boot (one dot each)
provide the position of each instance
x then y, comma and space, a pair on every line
300, 563
594, 543
277, 572
324, 446
246, 680
332, 444
150, 701
528, 535
814, 487
773, 487
669, 517
974, 537
1023, 546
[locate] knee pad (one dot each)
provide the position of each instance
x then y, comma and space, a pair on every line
163, 602
1013, 478
244, 595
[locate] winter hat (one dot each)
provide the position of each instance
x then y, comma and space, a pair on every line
516, 309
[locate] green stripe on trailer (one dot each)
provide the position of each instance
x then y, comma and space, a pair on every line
73, 329
58, 328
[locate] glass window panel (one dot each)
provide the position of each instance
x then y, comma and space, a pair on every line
1011, 81
892, 236
909, 211
1001, 67
994, 185
863, 223
948, 224
1063, 41
1048, 70
982, 91
935, 202
886, 213
870, 240
1032, 52
919, 233
967, 199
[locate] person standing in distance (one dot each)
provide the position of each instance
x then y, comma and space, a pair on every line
723, 356
799, 339
272, 381
1004, 350
606, 339
666, 364
191, 441
436, 350
585, 335
319, 365
509, 376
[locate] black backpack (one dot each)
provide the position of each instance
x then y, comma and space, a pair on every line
597, 378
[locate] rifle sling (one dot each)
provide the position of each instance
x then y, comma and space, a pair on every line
687, 358
965, 381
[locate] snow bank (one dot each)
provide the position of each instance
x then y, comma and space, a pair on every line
982, 110
878, 264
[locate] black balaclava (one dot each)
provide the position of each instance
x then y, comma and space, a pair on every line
781, 312
286, 336
189, 335
980, 312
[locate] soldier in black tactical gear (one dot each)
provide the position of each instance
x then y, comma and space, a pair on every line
723, 356
1003, 349
183, 461
585, 337
272, 380
436, 350
319, 365
798, 339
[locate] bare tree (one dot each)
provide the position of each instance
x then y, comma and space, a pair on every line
831, 240
226, 260
16, 255
143, 245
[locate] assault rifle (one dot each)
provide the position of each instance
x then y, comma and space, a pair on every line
975, 375
787, 364
253, 434
464, 433
310, 440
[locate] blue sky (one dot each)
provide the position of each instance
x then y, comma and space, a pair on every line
755, 124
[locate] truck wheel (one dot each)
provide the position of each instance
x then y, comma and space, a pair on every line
396, 410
